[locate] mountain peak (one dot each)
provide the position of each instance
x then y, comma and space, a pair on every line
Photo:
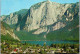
47, 0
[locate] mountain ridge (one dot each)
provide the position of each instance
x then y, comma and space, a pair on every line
45, 17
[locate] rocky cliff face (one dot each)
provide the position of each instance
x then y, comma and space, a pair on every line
46, 14
44, 17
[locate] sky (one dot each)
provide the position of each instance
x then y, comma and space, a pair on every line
10, 6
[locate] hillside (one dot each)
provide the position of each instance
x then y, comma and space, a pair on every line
7, 33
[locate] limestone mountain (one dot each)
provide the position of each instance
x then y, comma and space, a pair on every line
47, 13
46, 18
